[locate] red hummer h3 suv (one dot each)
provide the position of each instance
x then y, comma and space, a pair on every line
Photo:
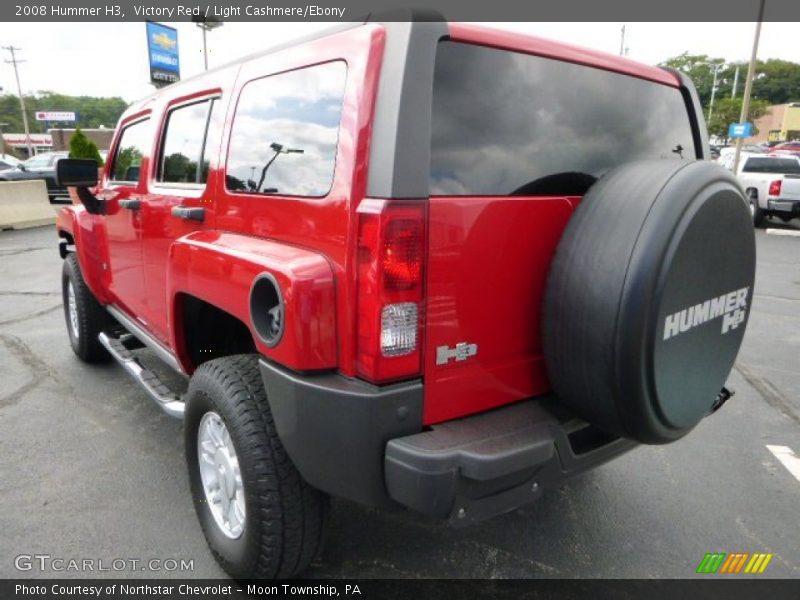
412, 264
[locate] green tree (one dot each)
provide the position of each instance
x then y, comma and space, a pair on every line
700, 69
728, 110
81, 146
127, 159
775, 81
92, 111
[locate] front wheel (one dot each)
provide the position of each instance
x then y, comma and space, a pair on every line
85, 317
260, 518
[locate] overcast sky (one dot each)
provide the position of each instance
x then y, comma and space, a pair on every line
110, 59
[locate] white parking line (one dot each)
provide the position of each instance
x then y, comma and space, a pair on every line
787, 458
791, 232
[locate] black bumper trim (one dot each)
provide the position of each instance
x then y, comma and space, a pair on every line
335, 429
488, 464
779, 205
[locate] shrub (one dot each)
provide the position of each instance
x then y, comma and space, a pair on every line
81, 146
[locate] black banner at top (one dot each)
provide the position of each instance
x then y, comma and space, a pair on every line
356, 10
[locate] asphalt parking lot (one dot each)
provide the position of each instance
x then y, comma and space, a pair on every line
90, 468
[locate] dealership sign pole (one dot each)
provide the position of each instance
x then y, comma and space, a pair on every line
162, 50
748, 85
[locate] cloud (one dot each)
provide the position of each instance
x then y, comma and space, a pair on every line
298, 110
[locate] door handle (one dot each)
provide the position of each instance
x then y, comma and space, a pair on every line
190, 214
131, 204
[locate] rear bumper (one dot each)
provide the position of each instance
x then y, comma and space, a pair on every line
488, 464
366, 443
780, 205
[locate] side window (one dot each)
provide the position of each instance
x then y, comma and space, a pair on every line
192, 133
285, 133
133, 145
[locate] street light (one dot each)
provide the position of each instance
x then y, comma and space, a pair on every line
278, 149
206, 24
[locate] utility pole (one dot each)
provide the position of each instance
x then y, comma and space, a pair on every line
14, 62
2, 140
748, 84
716, 68
735, 82
622, 41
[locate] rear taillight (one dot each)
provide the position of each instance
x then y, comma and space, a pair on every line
391, 252
775, 188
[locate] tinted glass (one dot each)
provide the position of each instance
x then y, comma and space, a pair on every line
771, 165
285, 132
183, 143
133, 145
507, 123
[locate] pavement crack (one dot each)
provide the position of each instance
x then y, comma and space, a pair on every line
13, 293
31, 316
768, 392
37, 367
16, 251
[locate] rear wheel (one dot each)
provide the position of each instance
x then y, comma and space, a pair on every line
85, 317
755, 210
260, 518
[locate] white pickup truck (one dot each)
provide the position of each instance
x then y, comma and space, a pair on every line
772, 185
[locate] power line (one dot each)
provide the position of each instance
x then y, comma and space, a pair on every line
14, 62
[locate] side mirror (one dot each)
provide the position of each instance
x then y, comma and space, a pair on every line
81, 173
22, 167
76, 172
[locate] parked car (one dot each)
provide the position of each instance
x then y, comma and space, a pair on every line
786, 148
397, 269
727, 153
40, 166
8, 161
772, 186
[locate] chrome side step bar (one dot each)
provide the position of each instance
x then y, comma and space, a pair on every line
144, 337
169, 402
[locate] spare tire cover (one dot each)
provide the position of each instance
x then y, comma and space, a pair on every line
648, 297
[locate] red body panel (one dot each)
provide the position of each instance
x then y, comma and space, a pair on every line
199, 263
487, 265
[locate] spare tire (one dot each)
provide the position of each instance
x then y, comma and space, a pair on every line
648, 297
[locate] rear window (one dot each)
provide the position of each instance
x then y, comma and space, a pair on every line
772, 165
506, 123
